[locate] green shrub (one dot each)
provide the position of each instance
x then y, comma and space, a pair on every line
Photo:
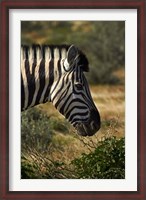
107, 161
35, 129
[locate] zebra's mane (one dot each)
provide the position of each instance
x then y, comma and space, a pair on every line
83, 61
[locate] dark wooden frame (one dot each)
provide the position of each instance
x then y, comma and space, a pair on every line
140, 5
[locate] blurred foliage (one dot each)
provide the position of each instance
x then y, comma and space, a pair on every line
103, 42
37, 129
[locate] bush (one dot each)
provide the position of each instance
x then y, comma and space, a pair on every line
37, 129
107, 161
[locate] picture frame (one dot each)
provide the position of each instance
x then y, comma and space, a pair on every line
5, 105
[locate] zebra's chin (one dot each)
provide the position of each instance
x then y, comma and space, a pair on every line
87, 129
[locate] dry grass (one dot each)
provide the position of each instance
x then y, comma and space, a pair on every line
110, 101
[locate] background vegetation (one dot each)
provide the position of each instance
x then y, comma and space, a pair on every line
49, 145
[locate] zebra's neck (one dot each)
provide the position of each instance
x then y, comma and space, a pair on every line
41, 66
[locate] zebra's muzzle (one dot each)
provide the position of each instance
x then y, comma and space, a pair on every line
86, 129
89, 127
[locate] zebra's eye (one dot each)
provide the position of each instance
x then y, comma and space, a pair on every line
79, 86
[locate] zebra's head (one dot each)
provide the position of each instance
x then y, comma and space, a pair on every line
70, 92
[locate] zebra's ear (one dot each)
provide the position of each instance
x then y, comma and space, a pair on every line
72, 54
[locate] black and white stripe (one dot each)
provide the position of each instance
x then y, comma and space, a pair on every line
55, 73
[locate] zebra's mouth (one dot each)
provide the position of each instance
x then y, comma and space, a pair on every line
87, 129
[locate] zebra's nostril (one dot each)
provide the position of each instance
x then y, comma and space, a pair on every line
93, 125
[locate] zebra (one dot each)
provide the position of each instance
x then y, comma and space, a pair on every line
55, 73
